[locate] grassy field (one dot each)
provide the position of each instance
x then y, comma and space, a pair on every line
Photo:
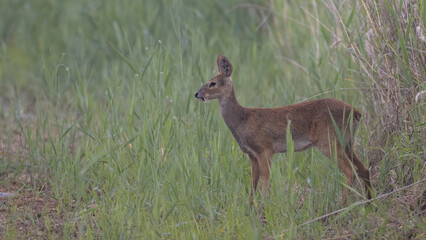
101, 136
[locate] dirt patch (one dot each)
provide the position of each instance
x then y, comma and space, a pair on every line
27, 207
29, 214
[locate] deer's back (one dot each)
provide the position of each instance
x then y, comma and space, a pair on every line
264, 129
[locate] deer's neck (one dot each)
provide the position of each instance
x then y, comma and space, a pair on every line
232, 111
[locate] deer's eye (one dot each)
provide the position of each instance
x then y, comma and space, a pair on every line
212, 84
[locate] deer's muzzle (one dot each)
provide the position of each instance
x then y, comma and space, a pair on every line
199, 97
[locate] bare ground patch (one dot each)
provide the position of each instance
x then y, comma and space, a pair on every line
28, 213
27, 207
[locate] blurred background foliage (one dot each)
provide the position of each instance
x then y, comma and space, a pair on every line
97, 107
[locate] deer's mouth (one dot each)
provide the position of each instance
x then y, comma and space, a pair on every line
203, 99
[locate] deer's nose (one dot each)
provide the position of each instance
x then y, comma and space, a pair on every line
196, 94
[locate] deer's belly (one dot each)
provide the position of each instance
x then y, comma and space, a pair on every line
299, 145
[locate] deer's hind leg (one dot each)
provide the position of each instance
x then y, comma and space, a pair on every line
362, 170
343, 162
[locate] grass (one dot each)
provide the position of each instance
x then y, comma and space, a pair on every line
101, 136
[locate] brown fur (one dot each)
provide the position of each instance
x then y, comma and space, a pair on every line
261, 132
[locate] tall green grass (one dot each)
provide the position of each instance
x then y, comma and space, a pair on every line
102, 94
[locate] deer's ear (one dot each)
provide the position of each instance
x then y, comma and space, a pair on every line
224, 65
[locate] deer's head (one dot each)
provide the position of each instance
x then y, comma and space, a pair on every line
220, 85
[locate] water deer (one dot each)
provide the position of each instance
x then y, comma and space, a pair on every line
261, 132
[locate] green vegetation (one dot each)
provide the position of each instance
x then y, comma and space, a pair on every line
101, 136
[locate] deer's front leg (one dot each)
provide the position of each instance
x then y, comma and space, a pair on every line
264, 165
255, 174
